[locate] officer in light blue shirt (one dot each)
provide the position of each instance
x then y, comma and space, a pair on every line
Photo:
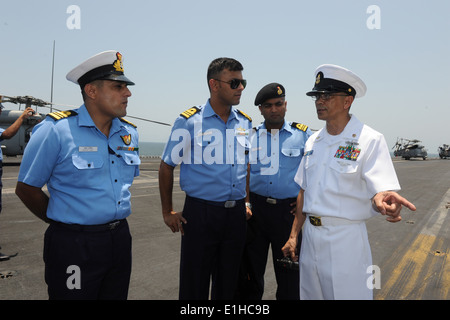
277, 149
88, 159
213, 153
210, 143
70, 155
277, 182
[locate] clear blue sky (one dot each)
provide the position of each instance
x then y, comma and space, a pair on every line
168, 45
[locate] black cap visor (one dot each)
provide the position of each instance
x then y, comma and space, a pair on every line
331, 86
103, 73
116, 77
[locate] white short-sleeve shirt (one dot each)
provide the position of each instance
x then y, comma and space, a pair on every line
340, 174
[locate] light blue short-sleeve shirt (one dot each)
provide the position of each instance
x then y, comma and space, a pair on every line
88, 175
281, 163
212, 154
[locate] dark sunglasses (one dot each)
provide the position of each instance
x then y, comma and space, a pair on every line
234, 83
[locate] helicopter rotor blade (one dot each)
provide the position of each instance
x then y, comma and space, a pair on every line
163, 123
127, 116
41, 103
27, 100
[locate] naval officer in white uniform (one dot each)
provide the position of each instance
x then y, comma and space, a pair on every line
346, 177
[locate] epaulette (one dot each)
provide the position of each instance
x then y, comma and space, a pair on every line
189, 112
299, 126
126, 121
58, 115
245, 115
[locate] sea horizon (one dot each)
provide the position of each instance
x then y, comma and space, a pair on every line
151, 149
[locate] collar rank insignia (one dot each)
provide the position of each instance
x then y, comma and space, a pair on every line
126, 139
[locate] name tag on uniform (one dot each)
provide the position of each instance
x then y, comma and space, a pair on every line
87, 149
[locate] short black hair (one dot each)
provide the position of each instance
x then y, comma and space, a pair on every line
98, 83
220, 64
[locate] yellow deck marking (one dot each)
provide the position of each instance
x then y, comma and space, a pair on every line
426, 263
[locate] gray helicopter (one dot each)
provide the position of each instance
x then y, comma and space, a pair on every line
16, 145
444, 151
408, 149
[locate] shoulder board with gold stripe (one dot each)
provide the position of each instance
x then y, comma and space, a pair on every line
189, 112
299, 126
58, 115
126, 121
245, 115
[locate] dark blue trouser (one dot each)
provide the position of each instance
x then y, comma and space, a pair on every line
270, 225
212, 245
1, 184
102, 256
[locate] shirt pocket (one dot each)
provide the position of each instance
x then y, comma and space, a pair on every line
292, 157
129, 167
87, 170
344, 176
87, 161
290, 152
208, 147
131, 159
344, 166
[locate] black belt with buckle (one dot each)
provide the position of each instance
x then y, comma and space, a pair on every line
224, 204
272, 200
92, 228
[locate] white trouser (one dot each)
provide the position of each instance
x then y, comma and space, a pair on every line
334, 259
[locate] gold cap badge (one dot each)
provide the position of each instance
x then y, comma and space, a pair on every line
318, 77
118, 65
279, 91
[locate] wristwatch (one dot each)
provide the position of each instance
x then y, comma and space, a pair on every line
248, 205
